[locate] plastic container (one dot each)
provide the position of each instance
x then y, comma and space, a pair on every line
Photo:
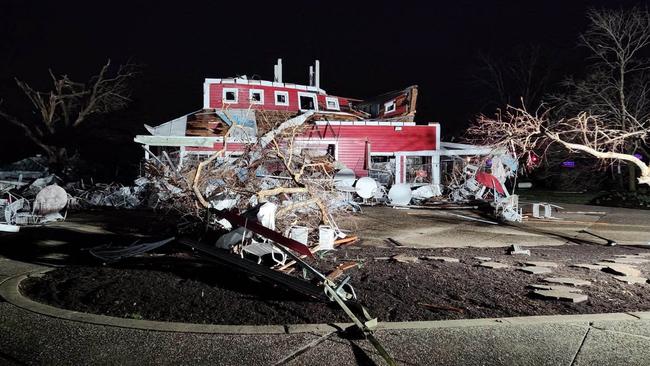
326, 237
299, 234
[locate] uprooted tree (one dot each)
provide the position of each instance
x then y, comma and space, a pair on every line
616, 85
522, 132
56, 115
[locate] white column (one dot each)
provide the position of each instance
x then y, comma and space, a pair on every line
181, 157
435, 168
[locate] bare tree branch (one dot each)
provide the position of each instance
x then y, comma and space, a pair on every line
69, 104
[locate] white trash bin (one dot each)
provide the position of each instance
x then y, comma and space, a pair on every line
299, 234
326, 237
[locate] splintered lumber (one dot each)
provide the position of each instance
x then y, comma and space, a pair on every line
346, 241
340, 269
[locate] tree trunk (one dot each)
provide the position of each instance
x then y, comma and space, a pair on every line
631, 176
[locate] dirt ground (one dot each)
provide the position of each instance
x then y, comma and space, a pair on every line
179, 288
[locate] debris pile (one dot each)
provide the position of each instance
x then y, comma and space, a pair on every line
474, 182
282, 186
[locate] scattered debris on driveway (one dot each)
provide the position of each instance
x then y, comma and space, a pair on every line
403, 258
567, 281
536, 270
595, 267
493, 265
631, 279
554, 287
622, 270
483, 259
541, 264
561, 295
442, 259
518, 250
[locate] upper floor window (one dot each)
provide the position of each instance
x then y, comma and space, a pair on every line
281, 98
307, 101
230, 95
389, 106
332, 103
256, 96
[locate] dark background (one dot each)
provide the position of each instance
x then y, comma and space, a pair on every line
364, 48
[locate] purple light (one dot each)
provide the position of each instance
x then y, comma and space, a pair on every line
569, 164
638, 156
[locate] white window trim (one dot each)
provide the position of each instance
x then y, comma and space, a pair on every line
335, 100
250, 96
286, 97
388, 106
310, 95
226, 90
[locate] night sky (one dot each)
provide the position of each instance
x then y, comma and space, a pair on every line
364, 49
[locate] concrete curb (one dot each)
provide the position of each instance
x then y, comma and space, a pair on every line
10, 291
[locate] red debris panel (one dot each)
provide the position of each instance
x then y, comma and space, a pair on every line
490, 181
237, 220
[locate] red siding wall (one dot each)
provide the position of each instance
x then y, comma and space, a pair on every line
216, 95
351, 141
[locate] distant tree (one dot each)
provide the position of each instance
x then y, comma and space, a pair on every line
616, 85
57, 114
527, 73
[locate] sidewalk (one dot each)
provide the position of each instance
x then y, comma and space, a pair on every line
607, 339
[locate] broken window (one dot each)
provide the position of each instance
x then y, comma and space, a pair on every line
281, 98
307, 101
332, 103
389, 106
418, 169
230, 95
256, 96
382, 168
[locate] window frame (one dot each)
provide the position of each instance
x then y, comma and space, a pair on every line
388, 105
314, 97
227, 90
337, 106
281, 92
250, 96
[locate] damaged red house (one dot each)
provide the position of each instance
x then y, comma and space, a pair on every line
374, 137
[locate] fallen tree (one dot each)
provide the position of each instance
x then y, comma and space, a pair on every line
523, 133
